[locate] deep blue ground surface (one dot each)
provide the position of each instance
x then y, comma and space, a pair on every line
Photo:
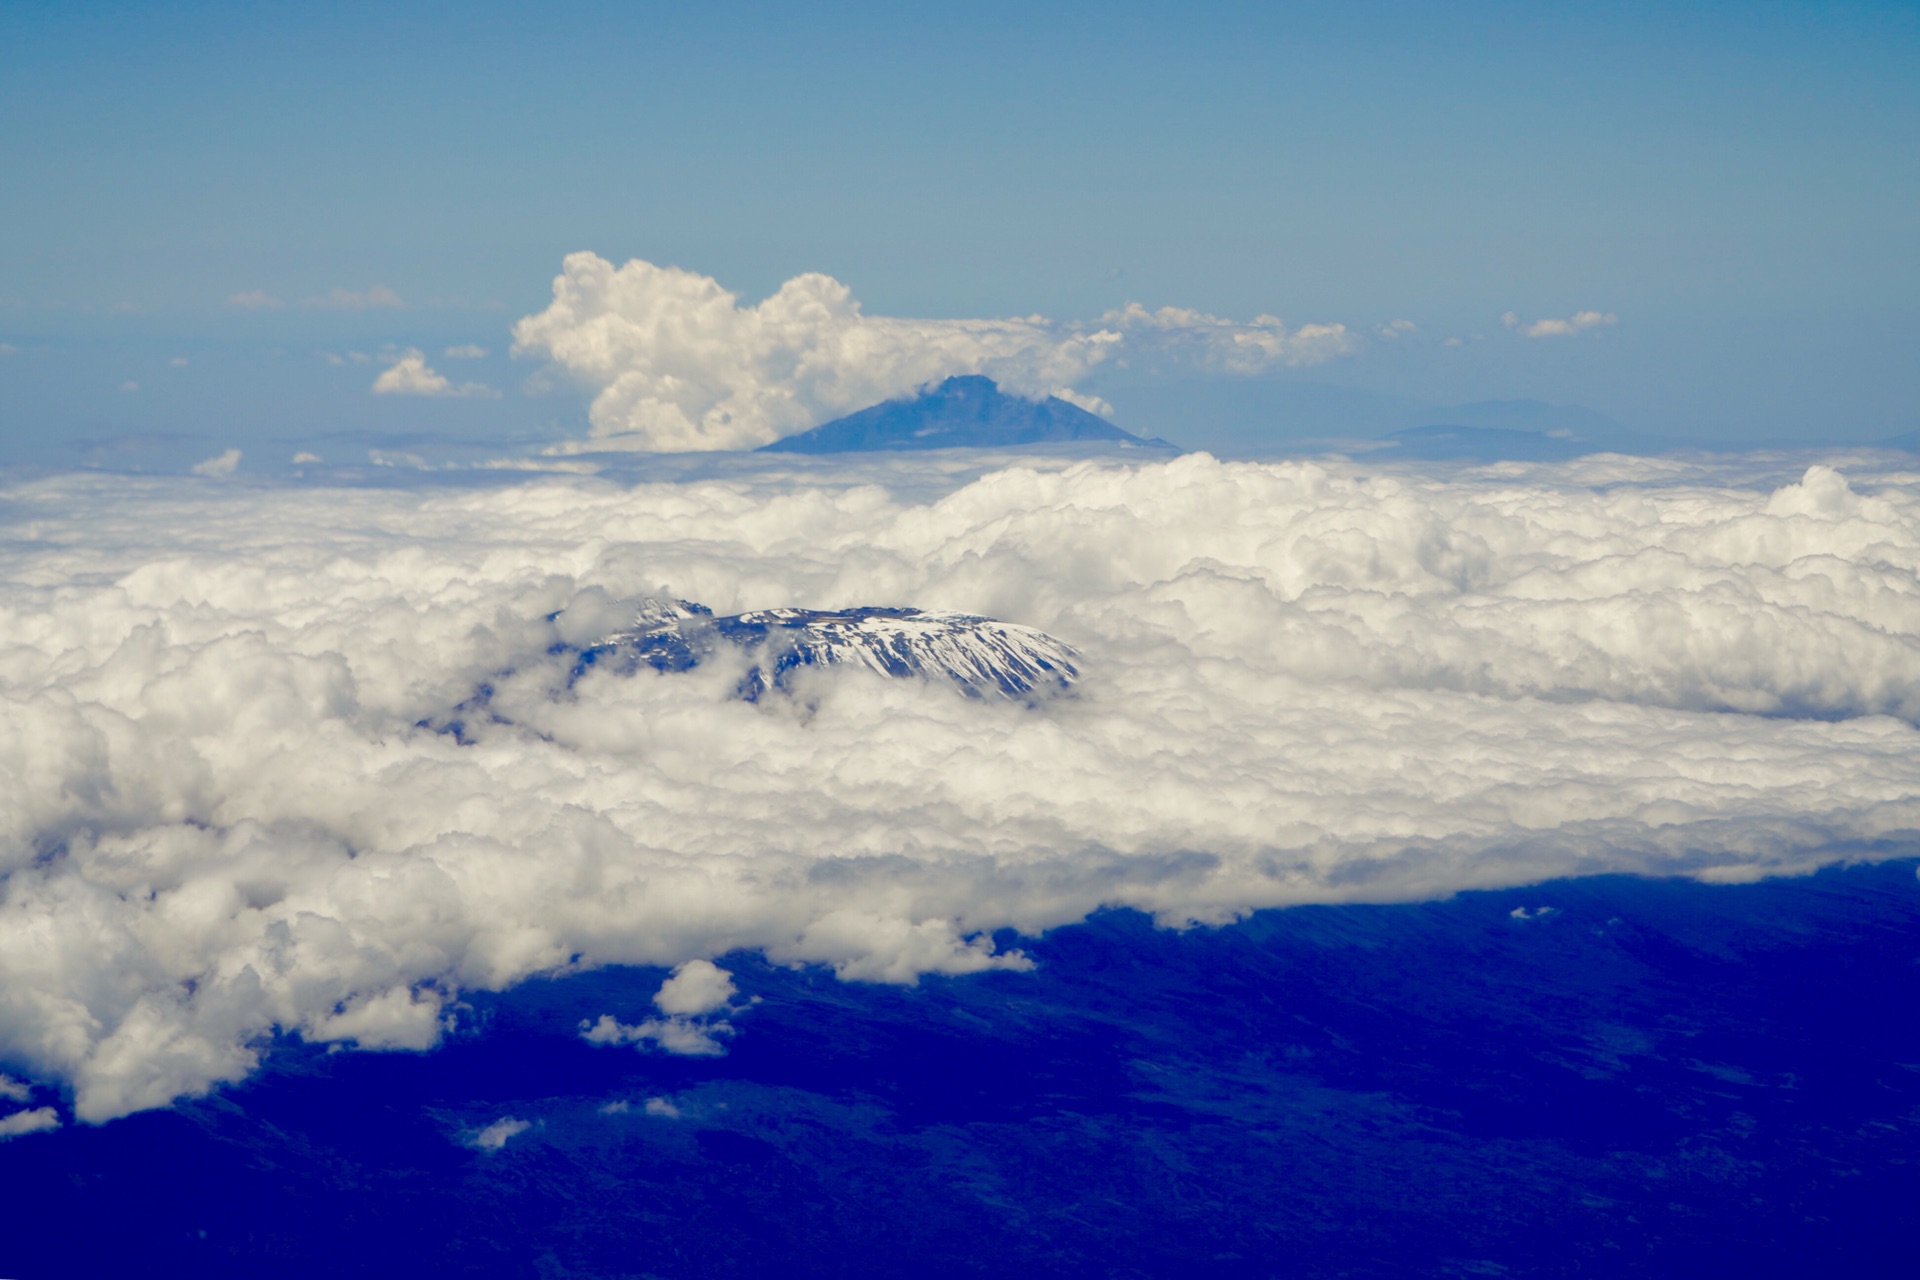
1656, 1078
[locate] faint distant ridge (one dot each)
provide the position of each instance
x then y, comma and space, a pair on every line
969, 412
1517, 431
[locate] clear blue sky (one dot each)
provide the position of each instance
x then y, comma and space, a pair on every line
1739, 184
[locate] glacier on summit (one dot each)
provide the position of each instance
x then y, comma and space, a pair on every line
982, 656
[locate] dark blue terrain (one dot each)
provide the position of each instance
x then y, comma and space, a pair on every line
962, 413
1653, 1078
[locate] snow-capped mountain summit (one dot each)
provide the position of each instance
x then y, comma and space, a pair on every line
981, 655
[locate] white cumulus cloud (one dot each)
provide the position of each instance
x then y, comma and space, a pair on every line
224, 464
697, 990
675, 361
1578, 322
410, 375
498, 1134
698, 986
222, 821
38, 1120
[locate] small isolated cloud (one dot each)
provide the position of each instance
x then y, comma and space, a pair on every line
178, 362
1578, 322
129, 386
661, 1107
377, 298
8, 349
676, 362
1396, 329
1522, 913
698, 986
498, 1134
466, 351
1091, 403
223, 465
689, 1037
255, 300
303, 458
1214, 344
14, 1090
697, 990
37, 1120
410, 375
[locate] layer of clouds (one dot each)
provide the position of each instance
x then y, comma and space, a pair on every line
675, 362
1578, 322
411, 375
1303, 682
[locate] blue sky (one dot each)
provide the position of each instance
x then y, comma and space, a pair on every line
1737, 184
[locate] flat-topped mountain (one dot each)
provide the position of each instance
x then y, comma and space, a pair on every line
982, 656
968, 412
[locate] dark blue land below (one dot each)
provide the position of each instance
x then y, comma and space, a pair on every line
1656, 1078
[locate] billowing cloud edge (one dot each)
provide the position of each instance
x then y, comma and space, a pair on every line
676, 363
222, 818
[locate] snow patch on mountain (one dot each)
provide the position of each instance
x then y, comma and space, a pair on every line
982, 656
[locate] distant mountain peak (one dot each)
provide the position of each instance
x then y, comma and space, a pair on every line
968, 411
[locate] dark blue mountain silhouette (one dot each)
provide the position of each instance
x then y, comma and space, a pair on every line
962, 413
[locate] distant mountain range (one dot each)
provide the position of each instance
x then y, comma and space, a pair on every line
969, 412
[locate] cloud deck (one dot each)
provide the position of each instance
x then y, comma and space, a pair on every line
219, 817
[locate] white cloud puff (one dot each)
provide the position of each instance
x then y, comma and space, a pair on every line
698, 986
676, 363
498, 1134
410, 375
38, 1120
255, 300
1302, 682
697, 990
1578, 322
220, 466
